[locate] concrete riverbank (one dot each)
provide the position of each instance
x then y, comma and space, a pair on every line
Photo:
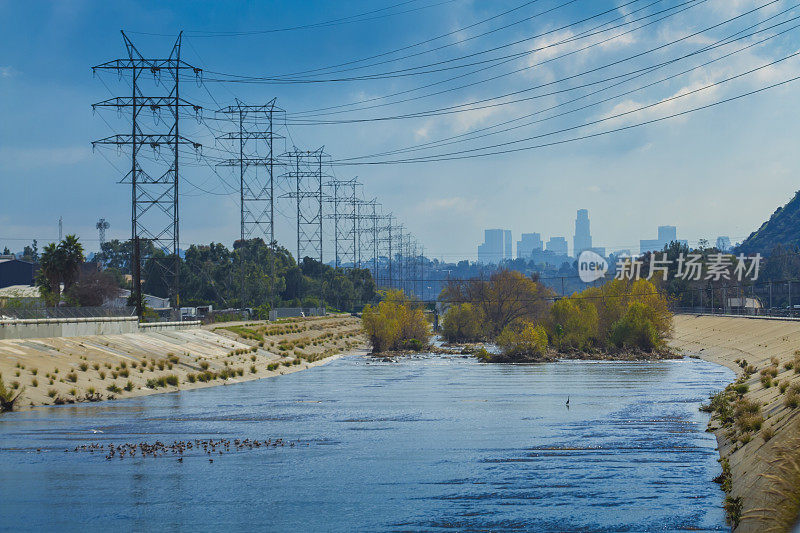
58, 370
759, 449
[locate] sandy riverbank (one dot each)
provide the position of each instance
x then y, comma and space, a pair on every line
762, 461
60, 370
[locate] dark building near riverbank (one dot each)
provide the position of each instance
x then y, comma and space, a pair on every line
16, 272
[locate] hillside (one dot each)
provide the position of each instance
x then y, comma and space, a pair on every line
782, 228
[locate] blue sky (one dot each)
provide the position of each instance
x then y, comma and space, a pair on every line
720, 171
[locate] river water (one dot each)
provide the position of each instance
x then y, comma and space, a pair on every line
427, 443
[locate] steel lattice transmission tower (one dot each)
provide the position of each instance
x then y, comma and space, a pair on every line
373, 232
304, 169
101, 226
254, 141
364, 238
397, 242
406, 271
154, 181
387, 232
343, 198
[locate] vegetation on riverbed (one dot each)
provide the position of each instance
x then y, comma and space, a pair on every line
396, 323
516, 313
785, 478
8, 396
741, 420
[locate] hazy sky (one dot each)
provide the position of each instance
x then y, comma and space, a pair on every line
718, 171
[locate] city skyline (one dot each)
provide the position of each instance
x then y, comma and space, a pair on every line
532, 242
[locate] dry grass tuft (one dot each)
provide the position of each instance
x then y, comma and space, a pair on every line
784, 478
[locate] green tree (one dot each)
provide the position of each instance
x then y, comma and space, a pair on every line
60, 265
31, 253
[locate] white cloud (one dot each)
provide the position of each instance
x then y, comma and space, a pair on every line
465, 121
737, 7
7, 72
423, 131
457, 204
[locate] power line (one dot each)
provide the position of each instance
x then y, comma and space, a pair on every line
580, 35
329, 23
472, 135
238, 78
462, 154
471, 106
421, 43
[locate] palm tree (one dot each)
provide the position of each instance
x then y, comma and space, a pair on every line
49, 277
71, 259
60, 263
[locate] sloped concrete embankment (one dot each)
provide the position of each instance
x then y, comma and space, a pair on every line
762, 456
163, 358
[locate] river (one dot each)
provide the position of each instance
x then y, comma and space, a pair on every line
427, 443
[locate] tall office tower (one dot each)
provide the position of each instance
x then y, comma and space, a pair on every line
529, 243
507, 243
666, 235
557, 245
496, 246
583, 238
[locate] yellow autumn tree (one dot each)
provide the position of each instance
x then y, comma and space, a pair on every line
463, 323
395, 323
523, 338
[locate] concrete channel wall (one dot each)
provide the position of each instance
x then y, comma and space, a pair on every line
80, 327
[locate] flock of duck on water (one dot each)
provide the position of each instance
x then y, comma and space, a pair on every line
178, 448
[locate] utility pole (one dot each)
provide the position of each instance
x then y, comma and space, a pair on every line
60, 228
770, 297
154, 190
305, 170
254, 138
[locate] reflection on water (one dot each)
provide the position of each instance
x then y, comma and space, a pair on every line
428, 443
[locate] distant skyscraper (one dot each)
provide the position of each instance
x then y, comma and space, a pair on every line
529, 243
666, 235
558, 245
583, 237
723, 243
496, 246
